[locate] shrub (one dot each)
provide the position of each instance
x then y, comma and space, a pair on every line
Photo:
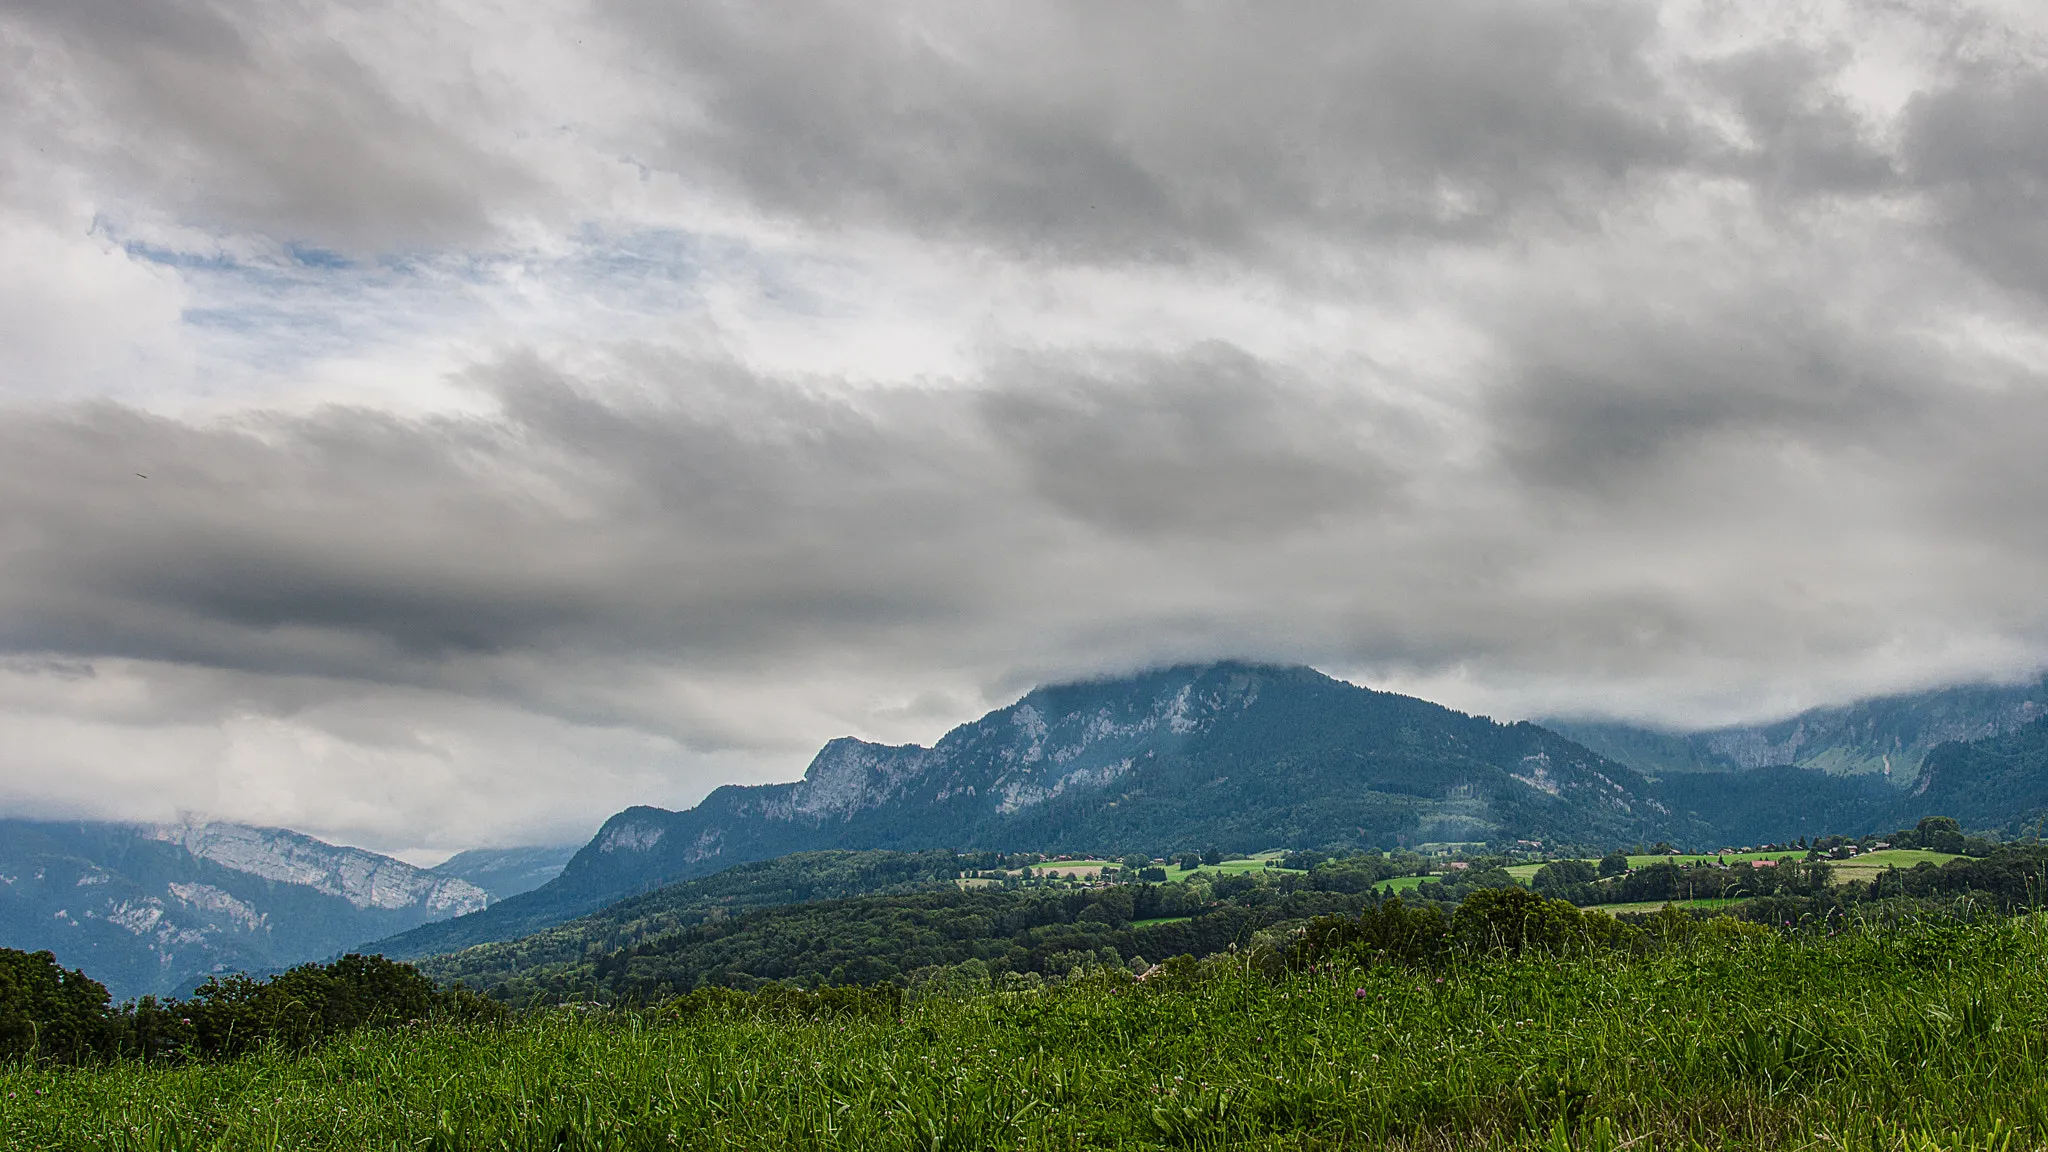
1390, 932
1515, 920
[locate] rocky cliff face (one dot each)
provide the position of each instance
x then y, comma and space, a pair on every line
149, 909
364, 879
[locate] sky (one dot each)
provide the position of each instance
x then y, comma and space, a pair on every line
431, 425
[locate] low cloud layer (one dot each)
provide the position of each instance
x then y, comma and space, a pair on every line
445, 428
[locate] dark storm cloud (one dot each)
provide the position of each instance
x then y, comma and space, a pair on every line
749, 523
1600, 401
252, 117
1070, 515
1980, 147
1102, 132
1800, 135
356, 544
1212, 442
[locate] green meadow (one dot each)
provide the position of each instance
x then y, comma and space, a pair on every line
1911, 1037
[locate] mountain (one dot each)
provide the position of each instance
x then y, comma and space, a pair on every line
1996, 784
1241, 756
503, 872
1887, 737
150, 909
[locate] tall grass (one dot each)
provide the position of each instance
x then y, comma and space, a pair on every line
1910, 1037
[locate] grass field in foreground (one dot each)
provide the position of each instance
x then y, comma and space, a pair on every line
1913, 1039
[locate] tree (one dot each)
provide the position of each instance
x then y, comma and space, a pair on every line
1212, 855
1614, 863
47, 1012
1940, 833
1560, 876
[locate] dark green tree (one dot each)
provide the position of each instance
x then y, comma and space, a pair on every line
48, 1013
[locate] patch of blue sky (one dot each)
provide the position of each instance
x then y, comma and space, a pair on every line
648, 270
286, 313
173, 258
313, 257
280, 308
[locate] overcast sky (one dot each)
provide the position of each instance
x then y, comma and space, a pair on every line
440, 424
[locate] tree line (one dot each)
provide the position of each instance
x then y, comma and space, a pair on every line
49, 1013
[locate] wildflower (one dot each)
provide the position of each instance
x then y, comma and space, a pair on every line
1361, 994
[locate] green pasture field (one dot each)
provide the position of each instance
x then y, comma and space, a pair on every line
1403, 883
1710, 857
1074, 869
1156, 920
1524, 873
1868, 865
1655, 905
1903, 1040
1236, 867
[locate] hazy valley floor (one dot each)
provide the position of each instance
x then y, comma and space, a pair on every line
1907, 1038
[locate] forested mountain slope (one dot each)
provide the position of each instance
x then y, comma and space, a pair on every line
794, 879
1998, 784
1242, 756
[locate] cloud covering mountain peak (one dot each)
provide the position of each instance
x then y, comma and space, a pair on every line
434, 424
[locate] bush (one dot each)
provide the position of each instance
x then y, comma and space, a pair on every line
1516, 920
1392, 932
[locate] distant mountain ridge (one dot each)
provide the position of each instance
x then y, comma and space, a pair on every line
149, 909
1887, 736
503, 872
1240, 755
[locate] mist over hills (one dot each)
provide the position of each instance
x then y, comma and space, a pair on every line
503, 872
1887, 737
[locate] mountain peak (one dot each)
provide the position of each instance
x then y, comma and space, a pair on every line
1150, 761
